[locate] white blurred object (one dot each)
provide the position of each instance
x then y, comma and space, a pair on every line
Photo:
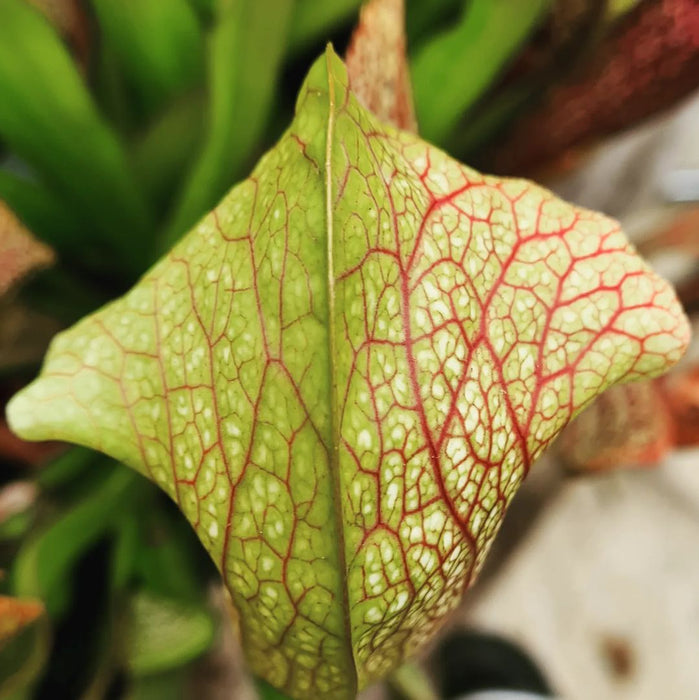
681, 185
604, 591
639, 177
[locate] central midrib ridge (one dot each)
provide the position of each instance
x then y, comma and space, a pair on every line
333, 448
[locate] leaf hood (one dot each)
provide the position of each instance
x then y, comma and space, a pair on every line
344, 372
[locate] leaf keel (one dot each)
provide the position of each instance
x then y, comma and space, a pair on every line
459, 323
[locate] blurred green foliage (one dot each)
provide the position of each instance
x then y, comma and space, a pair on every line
113, 158
110, 155
451, 71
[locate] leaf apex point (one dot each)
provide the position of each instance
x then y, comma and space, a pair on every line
19, 415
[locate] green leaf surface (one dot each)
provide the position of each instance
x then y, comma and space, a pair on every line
426, 19
40, 210
159, 44
452, 70
411, 682
205, 9
125, 550
43, 565
244, 56
171, 685
162, 155
618, 8
45, 112
65, 469
16, 525
344, 372
312, 19
166, 545
165, 633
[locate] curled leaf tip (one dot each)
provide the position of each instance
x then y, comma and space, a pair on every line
344, 372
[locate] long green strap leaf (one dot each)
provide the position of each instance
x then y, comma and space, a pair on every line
163, 154
48, 118
42, 567
40, 210
159, 44
454, 69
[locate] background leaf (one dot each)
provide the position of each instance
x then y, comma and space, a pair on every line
43, 566
165, 633
40, 210
159, 44
646, 63
45, 111
485, 39
312, 19
244, 56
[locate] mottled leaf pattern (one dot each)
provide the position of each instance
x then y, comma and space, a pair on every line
343, 373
